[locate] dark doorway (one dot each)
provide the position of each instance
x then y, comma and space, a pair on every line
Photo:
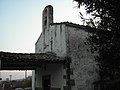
46, 82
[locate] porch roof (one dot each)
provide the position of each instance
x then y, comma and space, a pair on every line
28, 59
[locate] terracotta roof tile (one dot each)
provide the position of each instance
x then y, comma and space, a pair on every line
30, 61
31, 56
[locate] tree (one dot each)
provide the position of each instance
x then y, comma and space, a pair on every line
108, 42
27, 82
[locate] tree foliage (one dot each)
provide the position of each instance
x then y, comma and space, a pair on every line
107, 10
108, 42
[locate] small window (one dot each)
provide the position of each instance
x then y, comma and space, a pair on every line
45, 11
45, 22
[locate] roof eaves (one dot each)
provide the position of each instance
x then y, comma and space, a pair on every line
86, 28
41, 57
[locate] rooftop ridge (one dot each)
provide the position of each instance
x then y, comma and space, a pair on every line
86, 28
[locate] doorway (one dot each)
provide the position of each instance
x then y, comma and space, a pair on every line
46, 82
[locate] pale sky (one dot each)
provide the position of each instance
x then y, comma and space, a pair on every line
15, 74
20, 22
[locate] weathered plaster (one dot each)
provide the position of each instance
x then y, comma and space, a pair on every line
56, 71
68, 40
83, 61
58, 44
65, 40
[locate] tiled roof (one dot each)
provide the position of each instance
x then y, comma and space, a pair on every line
31, 56
72, 24
86, 28
28, 59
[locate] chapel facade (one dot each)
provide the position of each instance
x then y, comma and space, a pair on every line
69, 41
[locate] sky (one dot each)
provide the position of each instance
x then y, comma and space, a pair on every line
15, 74
21, 22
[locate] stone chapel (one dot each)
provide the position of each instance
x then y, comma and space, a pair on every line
69, 41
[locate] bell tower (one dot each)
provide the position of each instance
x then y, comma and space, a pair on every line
47, 17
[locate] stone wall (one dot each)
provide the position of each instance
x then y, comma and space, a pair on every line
83, 65
71, 40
